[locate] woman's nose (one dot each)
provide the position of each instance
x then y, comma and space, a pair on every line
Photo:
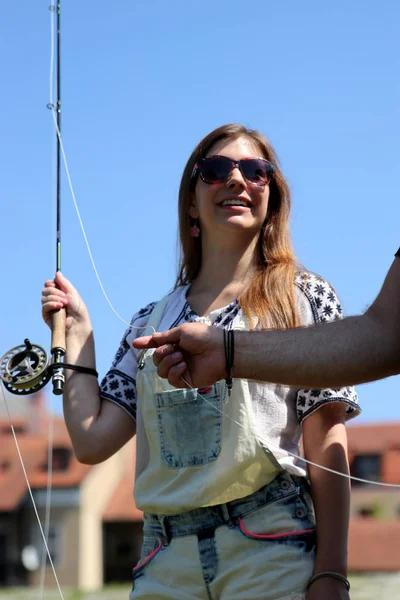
236, 179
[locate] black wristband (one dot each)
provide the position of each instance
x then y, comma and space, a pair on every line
229, 346
78, 368
332, 574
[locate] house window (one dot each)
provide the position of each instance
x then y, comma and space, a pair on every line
60, 459
366, 466
365, 512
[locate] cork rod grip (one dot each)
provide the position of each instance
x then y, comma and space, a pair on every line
58, 330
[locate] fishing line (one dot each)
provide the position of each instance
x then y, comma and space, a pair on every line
44, 533
50, 444
53, 8
53, 109
149, 327
30, 490
285, 452
50, 439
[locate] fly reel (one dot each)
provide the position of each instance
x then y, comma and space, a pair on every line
24, 369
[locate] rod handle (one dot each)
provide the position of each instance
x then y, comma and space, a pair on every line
58, 330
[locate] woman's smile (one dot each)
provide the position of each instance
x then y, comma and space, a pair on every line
235, 202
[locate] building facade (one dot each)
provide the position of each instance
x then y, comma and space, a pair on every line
95, 530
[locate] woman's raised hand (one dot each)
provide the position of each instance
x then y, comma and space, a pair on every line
60, 293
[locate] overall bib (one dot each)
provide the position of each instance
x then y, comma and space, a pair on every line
223, 520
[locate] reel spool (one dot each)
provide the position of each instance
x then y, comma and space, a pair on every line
24, 369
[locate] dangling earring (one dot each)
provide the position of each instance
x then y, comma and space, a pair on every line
194, 228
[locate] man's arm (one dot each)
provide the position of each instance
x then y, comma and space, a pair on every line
355, 350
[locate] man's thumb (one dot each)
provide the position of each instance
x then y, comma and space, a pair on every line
172, 336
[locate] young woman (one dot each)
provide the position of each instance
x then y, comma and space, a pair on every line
228, 512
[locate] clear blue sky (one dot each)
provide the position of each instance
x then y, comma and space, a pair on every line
142, 83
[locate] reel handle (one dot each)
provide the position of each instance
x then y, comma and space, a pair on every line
58, 348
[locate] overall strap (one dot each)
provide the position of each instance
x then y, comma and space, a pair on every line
154, 320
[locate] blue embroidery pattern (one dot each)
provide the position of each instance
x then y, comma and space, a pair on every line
116, 385
325, 306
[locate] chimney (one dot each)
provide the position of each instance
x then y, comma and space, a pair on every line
37, 415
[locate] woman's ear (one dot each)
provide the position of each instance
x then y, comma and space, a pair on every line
193, 212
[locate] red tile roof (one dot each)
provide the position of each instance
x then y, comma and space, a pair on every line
373, 438
33, 450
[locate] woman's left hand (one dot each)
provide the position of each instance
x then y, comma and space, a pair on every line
328, 588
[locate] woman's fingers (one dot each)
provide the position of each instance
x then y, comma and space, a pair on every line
51, 293
50, 306
52, 299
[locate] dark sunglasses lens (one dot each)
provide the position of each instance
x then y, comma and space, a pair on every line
215, 169
256, 170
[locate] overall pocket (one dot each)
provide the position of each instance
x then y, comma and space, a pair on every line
150, 549
189, 426
289, 520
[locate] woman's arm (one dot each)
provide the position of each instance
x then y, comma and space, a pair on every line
97, 427
325, 443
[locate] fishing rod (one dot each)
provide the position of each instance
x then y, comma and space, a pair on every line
59, 317
27, 368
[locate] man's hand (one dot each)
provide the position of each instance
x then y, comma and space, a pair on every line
192, 353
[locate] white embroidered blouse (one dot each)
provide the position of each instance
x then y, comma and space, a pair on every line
278, 418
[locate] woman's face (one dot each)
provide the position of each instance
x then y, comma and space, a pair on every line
209, 202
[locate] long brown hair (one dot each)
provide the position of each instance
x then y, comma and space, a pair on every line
270, 295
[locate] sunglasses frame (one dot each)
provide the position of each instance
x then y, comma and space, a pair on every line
235, 164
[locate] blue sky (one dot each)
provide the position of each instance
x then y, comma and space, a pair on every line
142, 83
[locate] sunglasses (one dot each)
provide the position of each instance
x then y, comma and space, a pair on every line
216, 169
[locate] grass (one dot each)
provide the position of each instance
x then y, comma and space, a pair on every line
363, 587
375, 585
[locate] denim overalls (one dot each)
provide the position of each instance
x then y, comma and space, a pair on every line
222, 519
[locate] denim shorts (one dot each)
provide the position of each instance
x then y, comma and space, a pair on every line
261, 547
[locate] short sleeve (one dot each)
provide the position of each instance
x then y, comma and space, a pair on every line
325, 306
119, 383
